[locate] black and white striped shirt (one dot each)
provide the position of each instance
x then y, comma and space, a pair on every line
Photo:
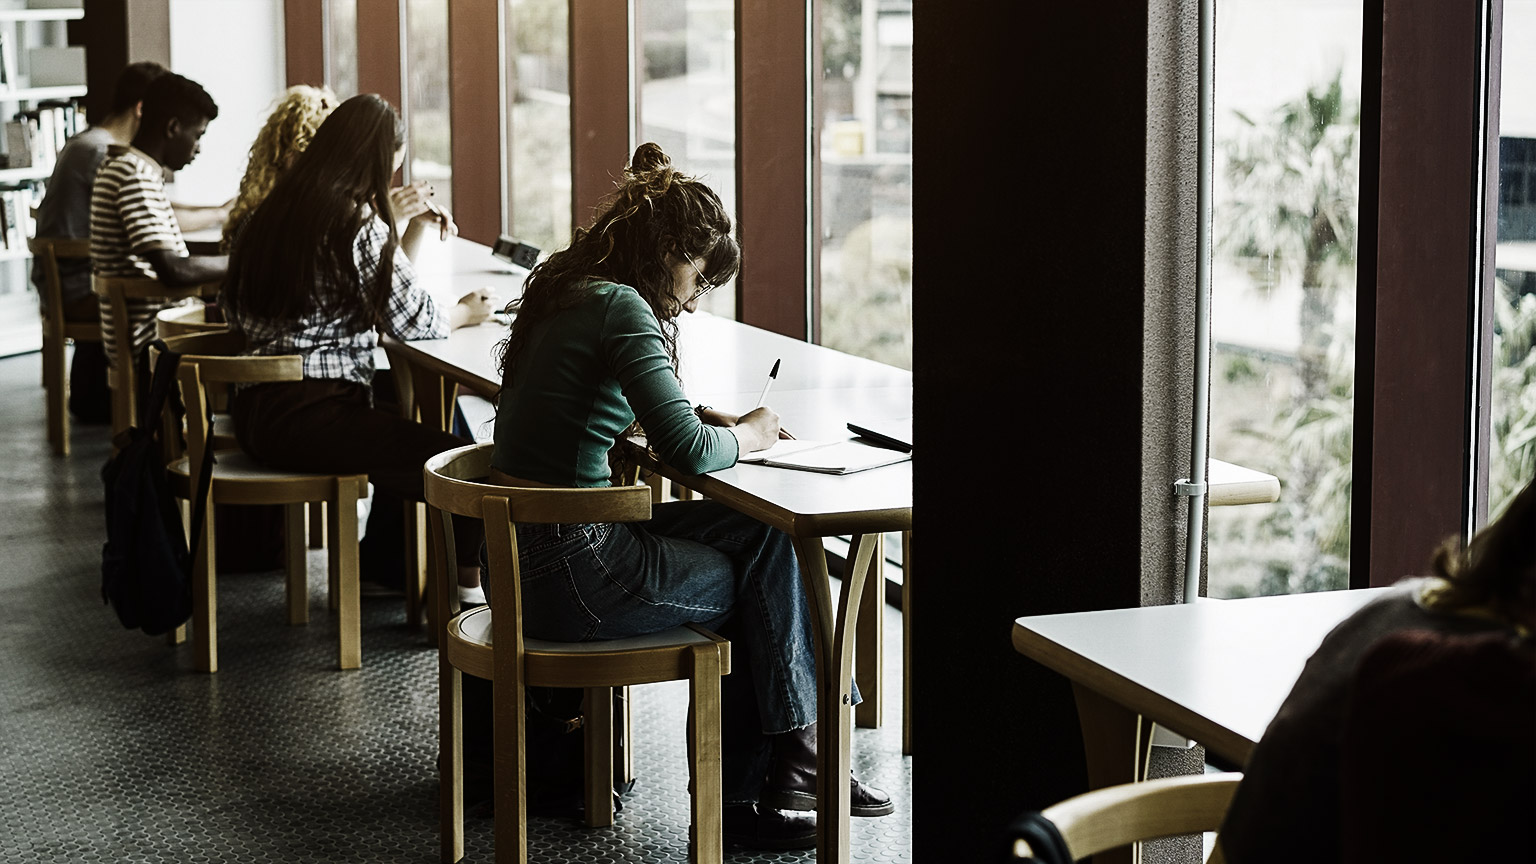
130, 215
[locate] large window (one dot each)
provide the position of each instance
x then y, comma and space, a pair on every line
429, 150
688, 97
1286, 194
341, 48
539, 128
1512, 444
865, 120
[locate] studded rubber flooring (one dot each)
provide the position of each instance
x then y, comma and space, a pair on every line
112, 749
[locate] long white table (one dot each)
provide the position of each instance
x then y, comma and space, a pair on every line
724, 363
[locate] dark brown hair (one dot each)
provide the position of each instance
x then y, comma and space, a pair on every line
1497, 570
654, 211
305, 230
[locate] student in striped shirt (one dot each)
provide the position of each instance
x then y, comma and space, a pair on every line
134, 232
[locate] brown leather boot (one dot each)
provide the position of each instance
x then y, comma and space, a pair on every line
792, 779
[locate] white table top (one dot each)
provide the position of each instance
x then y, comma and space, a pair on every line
1215, 671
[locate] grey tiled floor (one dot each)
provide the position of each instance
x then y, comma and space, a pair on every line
112, 749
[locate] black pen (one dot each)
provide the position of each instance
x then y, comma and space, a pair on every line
772, 374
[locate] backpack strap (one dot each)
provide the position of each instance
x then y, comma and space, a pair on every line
149, 414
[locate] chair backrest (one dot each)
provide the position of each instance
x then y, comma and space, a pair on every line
1117, 816
117, 291
214, 358
47, 251
182, 320
455, 485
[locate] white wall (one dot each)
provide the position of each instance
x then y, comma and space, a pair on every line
234, 48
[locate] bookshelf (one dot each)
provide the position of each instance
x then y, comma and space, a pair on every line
39, 73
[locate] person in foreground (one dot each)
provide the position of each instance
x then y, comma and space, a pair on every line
319, 269
1411, 733
592, 352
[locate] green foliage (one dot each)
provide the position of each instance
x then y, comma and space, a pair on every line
1512, 453
1240, 368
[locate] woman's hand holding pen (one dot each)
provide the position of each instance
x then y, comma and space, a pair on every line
472, 308
715, 417
757, 429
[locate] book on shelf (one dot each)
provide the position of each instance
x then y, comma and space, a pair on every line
15, 217
33, 139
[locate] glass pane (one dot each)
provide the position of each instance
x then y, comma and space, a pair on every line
1512, 450
539, 124
341, 48
688, 98
427, 111
866, 178
1286, 194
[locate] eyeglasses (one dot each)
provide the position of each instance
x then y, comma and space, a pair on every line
704, 281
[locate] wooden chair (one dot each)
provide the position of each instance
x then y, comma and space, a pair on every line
181, 321
121, 374
210, 359
48, 251
684, 653
1117, 816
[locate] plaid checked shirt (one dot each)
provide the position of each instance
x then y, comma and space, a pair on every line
333, 349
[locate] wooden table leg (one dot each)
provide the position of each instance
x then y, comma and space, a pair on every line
1115, 744
869, 655
833, 630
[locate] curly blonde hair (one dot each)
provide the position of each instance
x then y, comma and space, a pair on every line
287, 132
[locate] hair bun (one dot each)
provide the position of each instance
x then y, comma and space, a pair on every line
649, 157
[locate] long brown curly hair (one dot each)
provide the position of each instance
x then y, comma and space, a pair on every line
654, 212
288, 130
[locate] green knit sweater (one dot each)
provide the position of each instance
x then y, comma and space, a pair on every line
583, 376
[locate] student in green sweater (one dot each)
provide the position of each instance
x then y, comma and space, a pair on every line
592, 352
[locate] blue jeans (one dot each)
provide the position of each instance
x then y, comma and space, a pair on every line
693, 562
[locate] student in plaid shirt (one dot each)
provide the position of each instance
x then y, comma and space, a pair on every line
319, 269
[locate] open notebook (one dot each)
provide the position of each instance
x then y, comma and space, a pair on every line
825, 457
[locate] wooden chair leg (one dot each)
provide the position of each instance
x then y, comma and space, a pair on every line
623, 749
869, 652
296, 563
510, 729
450, 755
205, 601
317, 524
56, 395
179, 635
906, 643
597, 738
341, 523
705, 828
415, 562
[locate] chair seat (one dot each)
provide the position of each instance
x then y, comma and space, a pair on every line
644, 659
237, 478
224, 433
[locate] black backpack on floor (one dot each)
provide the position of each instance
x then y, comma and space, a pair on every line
146, 567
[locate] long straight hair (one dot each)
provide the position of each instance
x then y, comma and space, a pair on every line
304, 233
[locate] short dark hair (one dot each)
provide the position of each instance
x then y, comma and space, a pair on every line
131, 84
171, 95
